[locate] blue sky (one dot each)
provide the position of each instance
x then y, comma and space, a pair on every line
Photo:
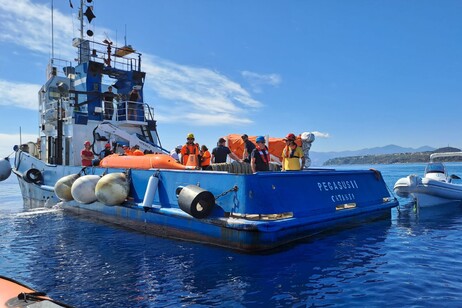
358, 74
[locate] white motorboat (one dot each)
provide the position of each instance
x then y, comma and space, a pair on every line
436, 187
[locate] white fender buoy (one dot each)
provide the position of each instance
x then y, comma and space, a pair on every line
112, 189
151, 189
83, 189
5, 169
63, 187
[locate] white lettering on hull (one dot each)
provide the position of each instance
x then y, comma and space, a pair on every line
342, 198
337, 187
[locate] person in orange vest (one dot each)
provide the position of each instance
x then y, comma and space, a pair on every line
205, 158
190, 152
136, 151
127, 150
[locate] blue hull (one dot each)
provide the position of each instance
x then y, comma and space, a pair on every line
249, 212
240, 235
267, 210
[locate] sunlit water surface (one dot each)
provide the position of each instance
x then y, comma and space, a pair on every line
412, 259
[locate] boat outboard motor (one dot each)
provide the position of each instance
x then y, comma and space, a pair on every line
5, 168
196, 201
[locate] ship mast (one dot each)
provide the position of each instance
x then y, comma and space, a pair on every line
52, 33
81, 20
83, 44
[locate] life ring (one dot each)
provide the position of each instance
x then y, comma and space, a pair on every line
33, 176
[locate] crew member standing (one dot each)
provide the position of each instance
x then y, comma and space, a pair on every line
205, 158
132, 106
106, 152
292, 154
221, 152
260, 157
175, 153
86, 154
248, 148
190, 152
108, 98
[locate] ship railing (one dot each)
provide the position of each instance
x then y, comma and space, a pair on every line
133, 111
148, 112
59, 67
121, 111
122, 58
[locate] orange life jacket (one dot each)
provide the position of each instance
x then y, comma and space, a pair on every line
205, 159
189, 149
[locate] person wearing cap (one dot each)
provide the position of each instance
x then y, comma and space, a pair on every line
86, 154
126, 150
106, 152
248, 148
221, 152
175, 153
260, 157
292, 154
190, 149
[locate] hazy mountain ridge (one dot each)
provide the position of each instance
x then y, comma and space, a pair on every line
319, 158
394, 158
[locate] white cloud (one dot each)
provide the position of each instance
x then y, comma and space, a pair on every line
204, 119
320, 134
209, 97
19, 95
27, 24
256, 80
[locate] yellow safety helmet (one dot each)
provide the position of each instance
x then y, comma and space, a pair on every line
190, 135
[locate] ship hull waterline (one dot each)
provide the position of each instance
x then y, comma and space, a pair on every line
266, 210
250, 239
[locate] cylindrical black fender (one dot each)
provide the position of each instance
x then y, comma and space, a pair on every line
33, 176
196, 201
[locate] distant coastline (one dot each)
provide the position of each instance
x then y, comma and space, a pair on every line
395, 158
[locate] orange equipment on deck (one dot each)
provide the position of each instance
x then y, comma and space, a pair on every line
124, 50
275, 146
148, 161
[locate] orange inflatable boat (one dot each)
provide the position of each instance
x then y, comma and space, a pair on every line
148, 161
15, 294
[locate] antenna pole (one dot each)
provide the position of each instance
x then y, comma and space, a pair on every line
125, 36
81, 20
52, 33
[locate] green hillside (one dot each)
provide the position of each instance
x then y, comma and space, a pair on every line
397, 158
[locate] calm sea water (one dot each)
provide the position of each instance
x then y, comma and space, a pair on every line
410, 260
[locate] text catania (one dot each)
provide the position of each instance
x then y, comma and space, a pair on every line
338, 186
